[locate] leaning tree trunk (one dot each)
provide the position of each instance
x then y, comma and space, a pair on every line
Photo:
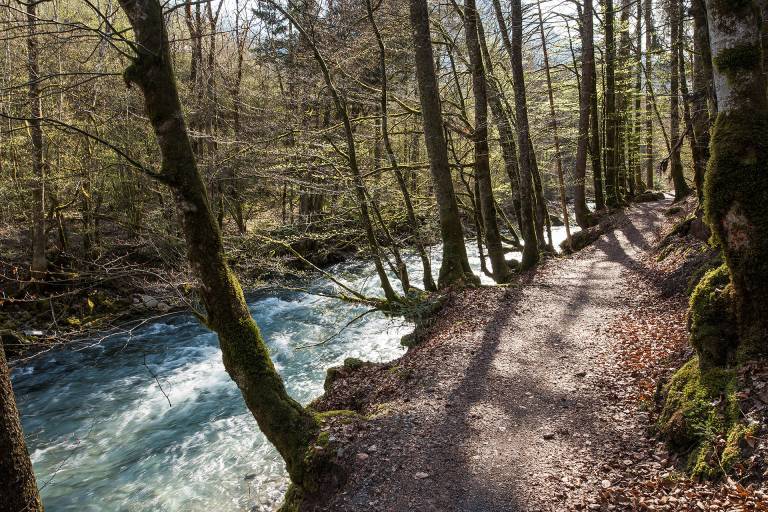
18, 489
676, 164
455, 267
499, 267
285, 423
736, 183
585, 104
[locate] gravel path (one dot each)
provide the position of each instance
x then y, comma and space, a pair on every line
503, 407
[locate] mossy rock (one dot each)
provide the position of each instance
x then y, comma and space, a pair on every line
700, 407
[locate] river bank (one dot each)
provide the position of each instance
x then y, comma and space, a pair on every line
531, 396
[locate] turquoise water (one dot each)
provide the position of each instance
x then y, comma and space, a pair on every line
103, 437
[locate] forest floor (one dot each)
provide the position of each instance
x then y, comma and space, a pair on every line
535, 396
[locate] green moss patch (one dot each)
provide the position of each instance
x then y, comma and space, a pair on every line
701, 418
711, 318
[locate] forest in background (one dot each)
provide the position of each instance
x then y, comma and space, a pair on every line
271, 146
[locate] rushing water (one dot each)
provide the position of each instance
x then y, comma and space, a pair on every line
103, 436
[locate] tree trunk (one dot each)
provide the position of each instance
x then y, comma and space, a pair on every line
623, 126
736, 183
699, 163
515, 49
357, 176
611, 158
702, 87
638, 124
676, 164
649, 93
287, 425
499, 267
585, 103
583, 135
39, 237
429, 283
455, 267
18, 488
497, 101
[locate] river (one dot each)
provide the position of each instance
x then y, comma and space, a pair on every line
103, 436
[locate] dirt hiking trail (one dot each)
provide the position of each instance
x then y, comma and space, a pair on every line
504, 406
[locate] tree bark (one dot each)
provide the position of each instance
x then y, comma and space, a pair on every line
702, 101
585, 104
611, 157
18, 488
514, 47
649, 93
583, 135
429, 283
497, 102
455, 269
285, 423
38, 182
499, 267
736, 183
676, 164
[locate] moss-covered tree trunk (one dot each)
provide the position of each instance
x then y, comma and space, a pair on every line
736, 182
499, 267
455, 267
283, 421
18, 488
